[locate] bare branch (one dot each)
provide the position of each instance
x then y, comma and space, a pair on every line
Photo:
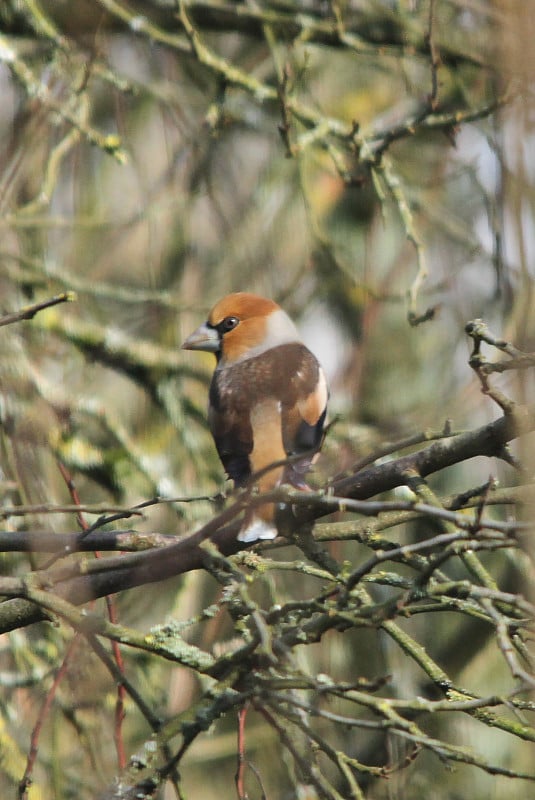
29, 312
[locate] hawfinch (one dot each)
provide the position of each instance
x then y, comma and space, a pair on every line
268, 398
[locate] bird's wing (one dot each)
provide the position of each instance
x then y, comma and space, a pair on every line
266, 408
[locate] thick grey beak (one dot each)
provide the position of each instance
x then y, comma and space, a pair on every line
204, 338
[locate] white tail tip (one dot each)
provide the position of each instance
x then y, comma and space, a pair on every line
257, 529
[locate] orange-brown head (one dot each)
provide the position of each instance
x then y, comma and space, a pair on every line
242, 325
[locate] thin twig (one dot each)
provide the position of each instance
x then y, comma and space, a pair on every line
29, 312
26, 780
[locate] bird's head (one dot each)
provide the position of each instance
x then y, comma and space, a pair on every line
240, 326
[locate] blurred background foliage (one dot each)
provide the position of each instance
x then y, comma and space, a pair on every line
155, 156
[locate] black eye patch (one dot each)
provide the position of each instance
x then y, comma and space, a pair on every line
226, 325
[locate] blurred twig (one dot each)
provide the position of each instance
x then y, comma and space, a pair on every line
29, 312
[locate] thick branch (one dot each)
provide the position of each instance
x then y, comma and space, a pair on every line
64, 543
84, 581
489, 440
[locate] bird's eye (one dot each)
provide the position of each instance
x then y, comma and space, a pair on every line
228, 324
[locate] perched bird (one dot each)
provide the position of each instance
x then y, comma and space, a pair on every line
268, 398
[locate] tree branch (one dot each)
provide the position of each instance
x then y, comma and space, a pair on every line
29, 312
85, 581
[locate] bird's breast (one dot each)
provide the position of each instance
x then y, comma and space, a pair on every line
287, 373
